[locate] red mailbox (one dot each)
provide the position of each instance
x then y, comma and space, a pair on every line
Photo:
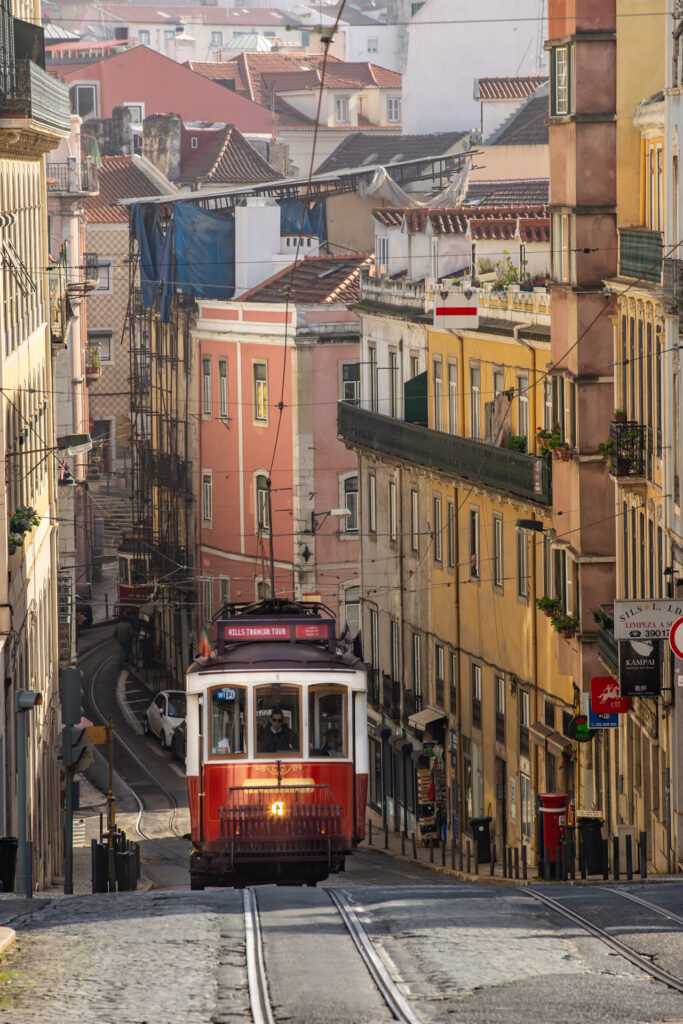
552, 824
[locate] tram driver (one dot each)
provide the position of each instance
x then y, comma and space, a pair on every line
277, 735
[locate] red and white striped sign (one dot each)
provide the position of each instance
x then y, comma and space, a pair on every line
457, 310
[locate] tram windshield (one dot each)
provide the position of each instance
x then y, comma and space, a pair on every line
228, 720
327, 722
278, 725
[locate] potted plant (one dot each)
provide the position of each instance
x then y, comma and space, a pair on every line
517, 442
23, 520
548, 605
619, 416
566, 624
562, 452
606, 449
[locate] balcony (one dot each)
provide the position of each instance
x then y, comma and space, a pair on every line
627, 458
608, 646
391, 697
72, 177
37, 96
640, 254
93, 368
524, 476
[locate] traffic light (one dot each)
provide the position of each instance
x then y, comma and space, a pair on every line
26, 700
77, 748
72, 711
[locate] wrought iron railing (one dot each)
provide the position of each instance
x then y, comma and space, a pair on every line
627, 457
391, 697
373, 682
37, 95
640, 254
513, 472
72, 177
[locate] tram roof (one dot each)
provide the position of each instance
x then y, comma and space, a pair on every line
273, 654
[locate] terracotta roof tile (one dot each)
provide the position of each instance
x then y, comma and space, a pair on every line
489, 221
511, 88
317, 279
120, 177
225, 157
520, 191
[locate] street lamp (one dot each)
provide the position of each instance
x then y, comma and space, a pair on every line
318, 518
74, 444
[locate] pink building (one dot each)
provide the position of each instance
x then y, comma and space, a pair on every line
272, 368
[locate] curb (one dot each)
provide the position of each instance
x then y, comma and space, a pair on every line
7, 937
447, 872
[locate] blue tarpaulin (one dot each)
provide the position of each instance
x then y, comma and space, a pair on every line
291, 214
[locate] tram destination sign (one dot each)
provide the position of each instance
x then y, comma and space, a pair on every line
645, 620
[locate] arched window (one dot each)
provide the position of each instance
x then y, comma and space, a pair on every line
262, 503
351, 503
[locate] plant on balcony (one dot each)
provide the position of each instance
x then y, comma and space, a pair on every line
562, 452
603, 618
564, 623
92, 363
548, 605
23, 520
506, 273
619, 416
549, 440
606, 449
517, 442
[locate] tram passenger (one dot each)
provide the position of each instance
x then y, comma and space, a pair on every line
277, 735
332, 746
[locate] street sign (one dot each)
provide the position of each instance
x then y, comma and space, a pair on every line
647, 620
596, 721
605, 697
97, 734
456, 309
639, 669
676, 638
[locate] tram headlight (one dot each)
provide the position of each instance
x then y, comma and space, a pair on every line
277, 809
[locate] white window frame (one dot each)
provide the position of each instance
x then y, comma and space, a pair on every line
523, 407
372, 503
102, 338
437, 527
523, 564
147, 36
108, 288
373, 44
452, 397
450, 533
350, 501
216, 37
207, 497
341, 109
260, 391
498, 575
374, 381
393, 513
475, 401
437, 383
414, 520
434, 257
382, 254
94, 86
349, 388
223, 389
136, 106
224, 590
351, 598
474, 566
262, 516
417, 671
206, 386
394, 110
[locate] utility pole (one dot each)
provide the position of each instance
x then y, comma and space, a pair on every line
24, 700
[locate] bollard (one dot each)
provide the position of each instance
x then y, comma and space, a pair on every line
565, 862
509, 862
615, 858
582, 860
524, 866
493, 858
443, 854
453, 855
629, 859
558, 864
370, 832
605, 859
403, 844
468, 858
386, 837
476, 858
414, 846
431, 850
517, 862
572, 856
505, 862
643, 854
546, 864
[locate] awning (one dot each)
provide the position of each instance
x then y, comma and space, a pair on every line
559, 744
539, 732
545, 736
421, 719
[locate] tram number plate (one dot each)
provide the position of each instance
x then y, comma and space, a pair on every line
225, 694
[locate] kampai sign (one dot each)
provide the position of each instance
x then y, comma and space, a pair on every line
456, 309
645, 620
639, 669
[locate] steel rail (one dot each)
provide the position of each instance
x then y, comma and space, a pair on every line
374, 963
173, 803
616, 944
649, 906
259, 999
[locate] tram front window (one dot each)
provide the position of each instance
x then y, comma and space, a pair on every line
277, 720
228, 720
327, 722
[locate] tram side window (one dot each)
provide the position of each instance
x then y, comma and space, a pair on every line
278, 726
138, 571
327, 722
228, 720
123, 571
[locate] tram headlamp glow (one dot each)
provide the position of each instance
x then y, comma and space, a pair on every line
277, 809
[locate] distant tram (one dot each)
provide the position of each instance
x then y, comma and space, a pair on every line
277, 757
134, 584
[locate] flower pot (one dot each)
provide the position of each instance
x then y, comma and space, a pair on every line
619, 417
562, 454
548, 612
568, 633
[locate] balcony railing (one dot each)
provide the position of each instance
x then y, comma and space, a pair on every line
391, 697
640, 254
37, 95
627, 457
72, 177
608, 645
373, 683
522, 475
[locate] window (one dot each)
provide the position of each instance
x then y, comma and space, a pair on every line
101, 340
498, 383
414, 521
104, 276
260, 392
439, 674
206, 387
169, 33
208, 599
352, 611
382, 254
194, 142
453, 681
350, 390
341, 109
372, 503
522, 564
476, 696
393, 384
278, 720
437, 527
438, 393
452, 398
216, 38
373, 45
474, 543
417, 677
326, 722
143, 36
500, 708
393, 520
224, 591
137, 112
395, 667
451, 534
434, 257
561, 81
228, 720
374, 656
525, 802
83, 100
475, 403
523, 407
372, 353
393, 110
223, 388
351, 502
207, 497
563, 247
262, 504
498, 552
547, 405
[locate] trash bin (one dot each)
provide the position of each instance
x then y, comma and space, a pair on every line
590, 833
8, 862
482, 837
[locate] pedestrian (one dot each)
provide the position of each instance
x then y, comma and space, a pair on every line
124, 633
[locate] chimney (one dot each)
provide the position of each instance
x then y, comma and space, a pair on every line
161, 143
257, 240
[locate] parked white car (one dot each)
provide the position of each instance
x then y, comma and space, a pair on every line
166, 711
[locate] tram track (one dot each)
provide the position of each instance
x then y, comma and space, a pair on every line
158, 844
637, 959
261, 1008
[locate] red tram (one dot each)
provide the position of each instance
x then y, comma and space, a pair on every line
134, 572
277, 758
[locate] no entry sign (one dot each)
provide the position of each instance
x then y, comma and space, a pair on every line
676, 638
